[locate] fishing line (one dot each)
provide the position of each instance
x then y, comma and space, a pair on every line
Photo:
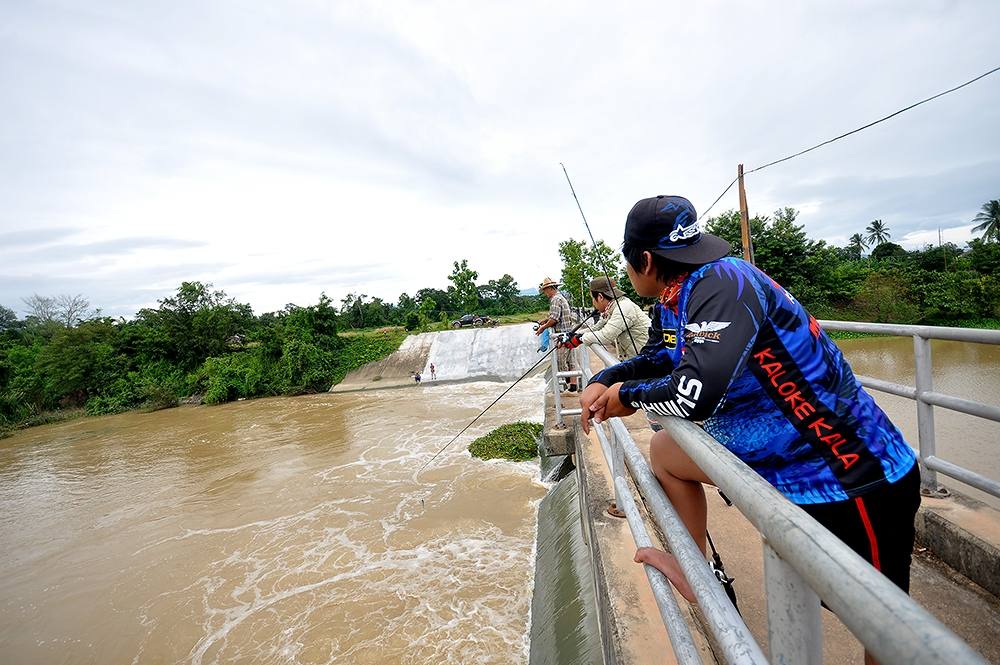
499, 397
597, 254
846, 134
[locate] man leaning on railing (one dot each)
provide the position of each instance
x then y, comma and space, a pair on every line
729, 346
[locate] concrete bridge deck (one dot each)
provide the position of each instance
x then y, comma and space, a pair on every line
965, 531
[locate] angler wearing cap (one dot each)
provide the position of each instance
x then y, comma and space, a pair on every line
622, 324
560, 318
729, 346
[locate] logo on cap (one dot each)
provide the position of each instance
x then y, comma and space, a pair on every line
684, 232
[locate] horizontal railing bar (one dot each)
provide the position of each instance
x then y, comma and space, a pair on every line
725, 623
888, 622
888, 387
964, 405
670, 611
967, 476
977, 335
570, 372
571, 412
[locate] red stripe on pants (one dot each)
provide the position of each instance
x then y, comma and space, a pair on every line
869, 530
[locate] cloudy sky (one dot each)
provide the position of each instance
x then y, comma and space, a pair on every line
281, 149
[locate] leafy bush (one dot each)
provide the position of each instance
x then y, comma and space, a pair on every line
233, 376
885, 298
514, 441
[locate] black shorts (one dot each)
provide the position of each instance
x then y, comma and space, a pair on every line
877, 525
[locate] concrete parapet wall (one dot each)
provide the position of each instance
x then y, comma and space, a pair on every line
965, 534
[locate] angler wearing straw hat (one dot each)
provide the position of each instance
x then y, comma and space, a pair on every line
730, 347
561, 319
622, 325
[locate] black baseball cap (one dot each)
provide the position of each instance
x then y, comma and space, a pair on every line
668, 226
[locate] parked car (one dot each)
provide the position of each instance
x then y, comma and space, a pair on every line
476, 320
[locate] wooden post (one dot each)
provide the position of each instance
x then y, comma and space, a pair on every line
744, 219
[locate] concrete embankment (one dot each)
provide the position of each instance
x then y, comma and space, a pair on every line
469, 354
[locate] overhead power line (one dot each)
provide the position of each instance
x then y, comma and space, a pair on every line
846, 134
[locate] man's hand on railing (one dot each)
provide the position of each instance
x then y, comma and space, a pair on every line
600, 403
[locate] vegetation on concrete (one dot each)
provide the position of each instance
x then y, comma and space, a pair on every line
513, 441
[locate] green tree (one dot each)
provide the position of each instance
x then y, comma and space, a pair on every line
989, 221
406, 304
194, 324
501, 294
885, 298
888, 250
877, 232
8, 320
726, 225
984, 257
463, 279
574, 273
857, 245
582, 263
440, 302
352, 310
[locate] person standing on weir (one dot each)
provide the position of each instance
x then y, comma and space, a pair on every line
560, 317
730, 347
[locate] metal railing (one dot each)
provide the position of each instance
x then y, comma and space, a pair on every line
556, 375
803, 563
925, 396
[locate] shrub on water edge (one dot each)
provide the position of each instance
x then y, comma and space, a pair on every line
514, 441
233, 376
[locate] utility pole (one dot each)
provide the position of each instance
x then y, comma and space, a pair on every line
744, 219
941, 250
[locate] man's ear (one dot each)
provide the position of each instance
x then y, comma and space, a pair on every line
647, 264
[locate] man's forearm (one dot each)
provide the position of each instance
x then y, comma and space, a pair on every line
547, 324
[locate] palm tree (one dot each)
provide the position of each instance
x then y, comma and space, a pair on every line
878, 232
989, 217
858, 244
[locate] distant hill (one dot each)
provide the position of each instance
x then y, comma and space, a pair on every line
529, 292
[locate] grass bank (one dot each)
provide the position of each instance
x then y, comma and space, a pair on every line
362, 348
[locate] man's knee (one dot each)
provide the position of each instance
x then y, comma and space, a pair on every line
661, 446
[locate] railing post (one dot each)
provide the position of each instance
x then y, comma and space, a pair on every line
583, 360
556, 398
793, 625
617, 467
925, 414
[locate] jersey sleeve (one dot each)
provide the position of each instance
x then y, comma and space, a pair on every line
653, 360
723, 314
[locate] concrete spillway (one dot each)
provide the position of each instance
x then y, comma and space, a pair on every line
469, 354
483, 353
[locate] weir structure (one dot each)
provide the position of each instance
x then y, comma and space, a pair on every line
804, 563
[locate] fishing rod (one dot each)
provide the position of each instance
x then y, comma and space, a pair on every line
597, 254
592, 315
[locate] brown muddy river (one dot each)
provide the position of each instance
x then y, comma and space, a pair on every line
293, 531
964, 370
270, 531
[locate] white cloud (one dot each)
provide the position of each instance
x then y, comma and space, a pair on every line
309, 146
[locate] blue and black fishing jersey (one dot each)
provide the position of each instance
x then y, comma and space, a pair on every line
741, 354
